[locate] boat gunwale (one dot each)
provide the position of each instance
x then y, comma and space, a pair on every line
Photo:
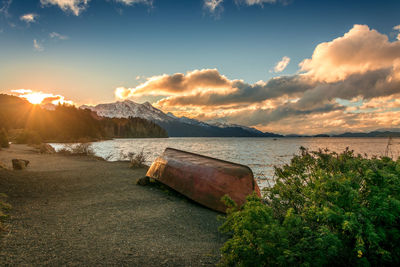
203, 156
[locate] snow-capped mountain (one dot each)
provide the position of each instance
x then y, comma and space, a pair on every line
175, 126
127, 108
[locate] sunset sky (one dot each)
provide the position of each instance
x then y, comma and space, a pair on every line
284, 66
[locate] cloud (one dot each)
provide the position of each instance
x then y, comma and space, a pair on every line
55, 35
37, 46
5, 6
29, 18
74, 6
255, 2
281, 65
179, 83
266, 116
397, 28
239, 92
131, 2
360, 50
213, 6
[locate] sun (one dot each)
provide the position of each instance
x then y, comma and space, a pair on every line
35, 98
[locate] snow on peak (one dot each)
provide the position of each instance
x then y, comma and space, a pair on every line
128, 108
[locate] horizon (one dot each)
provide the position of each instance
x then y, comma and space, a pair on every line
277, 66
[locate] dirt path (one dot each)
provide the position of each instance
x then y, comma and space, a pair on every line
81, 211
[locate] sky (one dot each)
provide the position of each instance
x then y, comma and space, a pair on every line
285, 66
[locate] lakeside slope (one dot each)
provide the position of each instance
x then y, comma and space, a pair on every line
83, 211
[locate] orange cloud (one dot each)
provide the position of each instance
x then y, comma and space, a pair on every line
360, 50
177, 84
281, 65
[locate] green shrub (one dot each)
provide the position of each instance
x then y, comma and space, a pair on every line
4, 139
325, 209
28, 137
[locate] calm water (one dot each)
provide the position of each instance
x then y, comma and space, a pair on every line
260, 154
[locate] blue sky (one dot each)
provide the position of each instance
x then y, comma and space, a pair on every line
111, 44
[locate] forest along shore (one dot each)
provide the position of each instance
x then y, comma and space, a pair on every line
81, 211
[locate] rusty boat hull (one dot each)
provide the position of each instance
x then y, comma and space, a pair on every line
204, 179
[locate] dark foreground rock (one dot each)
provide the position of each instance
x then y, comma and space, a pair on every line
19, 164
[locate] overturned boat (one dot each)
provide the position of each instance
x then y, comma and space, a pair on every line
204, 179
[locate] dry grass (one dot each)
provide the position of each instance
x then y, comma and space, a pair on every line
4, 207
137, 160
81, 149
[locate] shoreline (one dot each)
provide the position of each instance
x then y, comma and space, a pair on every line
77, 210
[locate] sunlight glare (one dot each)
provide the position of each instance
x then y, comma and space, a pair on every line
38, 98
35, 98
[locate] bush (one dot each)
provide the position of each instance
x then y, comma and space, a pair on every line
325, 209
85, 149
4, 139
28, 137
137, 160
81, 149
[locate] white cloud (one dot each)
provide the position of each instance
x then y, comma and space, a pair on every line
56, 35
281, 65
397, 28
213, 5
29, 18
6, 6
37, 46
74, 6
131, 2
256, 2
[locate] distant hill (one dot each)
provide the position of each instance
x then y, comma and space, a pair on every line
67, 123
175, 126
370, 134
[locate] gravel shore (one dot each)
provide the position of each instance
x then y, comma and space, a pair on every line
70, 210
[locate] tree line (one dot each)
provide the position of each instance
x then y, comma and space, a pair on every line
68, 124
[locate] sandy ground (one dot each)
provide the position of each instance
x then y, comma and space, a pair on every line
81, 211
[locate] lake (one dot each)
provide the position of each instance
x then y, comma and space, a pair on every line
260, 154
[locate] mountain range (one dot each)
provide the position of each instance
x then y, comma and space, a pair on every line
186, 127
175, 126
